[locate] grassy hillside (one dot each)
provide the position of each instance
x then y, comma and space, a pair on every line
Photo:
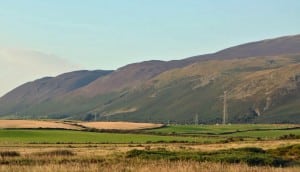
264, 88
260, 89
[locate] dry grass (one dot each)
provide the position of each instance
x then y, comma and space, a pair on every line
110, 149
212, 69
146, 166
266, 81
109, 158
18, 124
35, 124
268, 144
119, 125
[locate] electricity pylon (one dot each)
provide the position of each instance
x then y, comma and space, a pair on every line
225, 108
196, 119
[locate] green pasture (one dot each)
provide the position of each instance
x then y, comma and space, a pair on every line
169, 134
221, 129
67, 136
266, 134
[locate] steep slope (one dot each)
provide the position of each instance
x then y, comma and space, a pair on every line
134, 74
176, 90
260, 89
99, 92
128, 76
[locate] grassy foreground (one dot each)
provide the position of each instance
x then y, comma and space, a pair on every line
173, 148
147, 166
151, 159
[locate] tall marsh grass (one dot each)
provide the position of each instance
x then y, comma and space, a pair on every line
146, 166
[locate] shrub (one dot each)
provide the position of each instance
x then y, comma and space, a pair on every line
289, 152
57, 153
251, 149
9, 154
289, 136
250, 155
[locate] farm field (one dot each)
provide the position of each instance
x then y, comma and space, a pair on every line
198, 134
119, 125
13, 124
65, 136
170, 148
75, 125
220, 129
265, 133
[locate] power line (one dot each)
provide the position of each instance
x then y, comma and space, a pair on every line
196, 119
225, 108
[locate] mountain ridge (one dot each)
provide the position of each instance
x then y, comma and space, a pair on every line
167, 90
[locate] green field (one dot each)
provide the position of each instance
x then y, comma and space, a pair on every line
266, 134
235, 129
65, 136
173, 133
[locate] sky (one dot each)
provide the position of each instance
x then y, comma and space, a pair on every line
49, 37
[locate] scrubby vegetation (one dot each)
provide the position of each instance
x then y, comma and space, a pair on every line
59, 152
187, 147
146, 166
9, 154
157, 159
248, 155
290, 152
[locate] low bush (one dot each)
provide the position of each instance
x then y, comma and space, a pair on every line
290, 152
57, 153
251, 156
9, 154
289, 137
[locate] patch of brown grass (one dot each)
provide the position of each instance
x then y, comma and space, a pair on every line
206, 71
146, 166
267, 81
109, 158
35, 124
120, 125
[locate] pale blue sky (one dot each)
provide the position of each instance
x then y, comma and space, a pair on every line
107, 34
110, 33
